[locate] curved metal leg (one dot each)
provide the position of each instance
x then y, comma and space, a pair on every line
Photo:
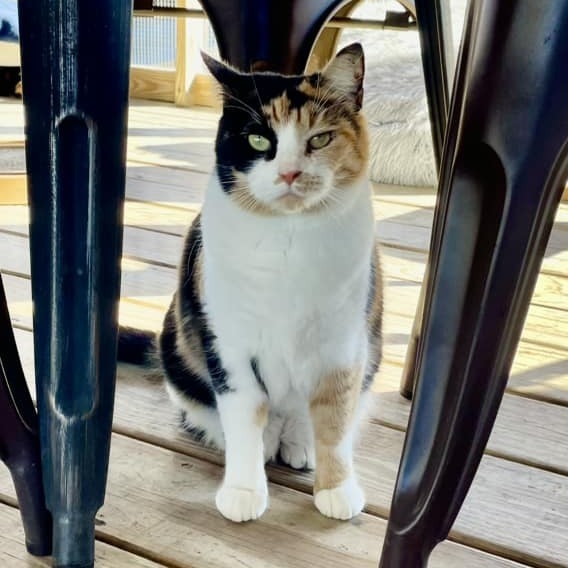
437, 63
264, 35
19, 440
75, 63
504, 166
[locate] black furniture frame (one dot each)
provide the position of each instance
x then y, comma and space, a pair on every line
503, 164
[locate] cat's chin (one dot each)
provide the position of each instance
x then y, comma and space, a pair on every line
292, 203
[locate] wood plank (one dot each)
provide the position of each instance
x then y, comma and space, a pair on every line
537, 500
540, 367
154, 84
492, 501
545, 325
13, 553
175, 222
526, 430
538, 370
162, 503
13, 189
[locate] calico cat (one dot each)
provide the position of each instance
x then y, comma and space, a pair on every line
273, 335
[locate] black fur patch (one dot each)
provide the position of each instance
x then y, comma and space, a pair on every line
369, 377
195, 433
217, 373
258, 376
191, 306
183, 379
135, 345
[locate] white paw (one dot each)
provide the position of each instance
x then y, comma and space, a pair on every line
239, 505
343, 502
298, 456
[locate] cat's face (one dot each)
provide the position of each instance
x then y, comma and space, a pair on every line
292, 144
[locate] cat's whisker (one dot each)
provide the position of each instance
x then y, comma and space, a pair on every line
256, 90
253, 112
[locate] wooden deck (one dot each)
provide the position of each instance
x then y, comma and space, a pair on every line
159, 509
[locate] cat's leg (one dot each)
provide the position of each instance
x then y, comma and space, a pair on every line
243, 408
199, 420
297, 439
272, 434
334, 409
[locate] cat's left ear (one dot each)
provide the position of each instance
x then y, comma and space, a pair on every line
346, 72
226, 76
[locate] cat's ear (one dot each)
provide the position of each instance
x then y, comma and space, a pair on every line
346, 72
227, 77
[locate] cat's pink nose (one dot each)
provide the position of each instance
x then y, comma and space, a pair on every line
289, 177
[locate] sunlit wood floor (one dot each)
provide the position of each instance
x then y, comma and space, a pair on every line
159, 509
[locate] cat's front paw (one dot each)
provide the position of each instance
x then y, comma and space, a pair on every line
238, 504
343, 502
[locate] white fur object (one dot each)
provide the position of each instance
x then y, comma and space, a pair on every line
394, 102
290, 290
395, 105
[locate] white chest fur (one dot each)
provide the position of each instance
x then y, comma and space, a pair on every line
289, 290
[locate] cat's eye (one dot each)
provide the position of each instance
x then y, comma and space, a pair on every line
259, 143
319, 141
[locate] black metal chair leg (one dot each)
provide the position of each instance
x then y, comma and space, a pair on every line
504, 167
437, 62
266, 35
19, 440
432, 17
75, 68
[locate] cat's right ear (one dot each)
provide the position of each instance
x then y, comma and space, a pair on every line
227, 77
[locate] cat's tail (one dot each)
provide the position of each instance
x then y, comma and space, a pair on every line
136, 346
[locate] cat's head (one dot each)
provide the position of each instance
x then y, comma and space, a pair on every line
290, 144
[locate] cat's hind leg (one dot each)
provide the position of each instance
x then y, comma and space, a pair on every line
271, 437
297, 439
200, 421
189, 386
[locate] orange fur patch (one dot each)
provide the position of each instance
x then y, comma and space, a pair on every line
261, 415
333, 409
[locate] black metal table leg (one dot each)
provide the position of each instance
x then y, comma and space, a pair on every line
504, 166
19, 439
75, 63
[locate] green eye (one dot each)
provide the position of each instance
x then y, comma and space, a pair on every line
319, 140
259, 143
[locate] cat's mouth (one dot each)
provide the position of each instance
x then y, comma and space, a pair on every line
295, 199
291, 200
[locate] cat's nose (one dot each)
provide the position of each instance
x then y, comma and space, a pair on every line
289, 177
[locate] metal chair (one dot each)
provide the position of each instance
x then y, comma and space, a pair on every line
504, 166
19, 440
